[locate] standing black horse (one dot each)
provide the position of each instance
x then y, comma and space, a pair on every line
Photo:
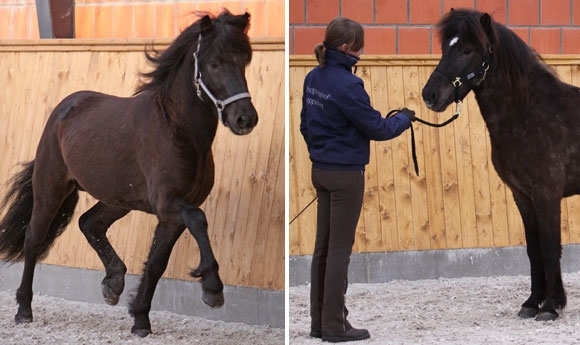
532, 118
151, 152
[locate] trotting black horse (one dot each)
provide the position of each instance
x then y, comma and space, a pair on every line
151, 152
534, 128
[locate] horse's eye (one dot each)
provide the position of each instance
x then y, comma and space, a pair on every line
467, 51
213, 64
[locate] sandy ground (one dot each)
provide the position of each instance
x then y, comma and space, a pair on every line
445, 311
57, 321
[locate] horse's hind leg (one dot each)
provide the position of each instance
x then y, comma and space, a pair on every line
166, 234
94, 224
208, 269
42, 230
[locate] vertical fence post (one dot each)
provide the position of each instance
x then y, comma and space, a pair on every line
56, 18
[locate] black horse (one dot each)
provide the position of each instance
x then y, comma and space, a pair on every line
151, 152
532, 118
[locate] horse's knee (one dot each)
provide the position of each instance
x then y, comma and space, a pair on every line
195, 218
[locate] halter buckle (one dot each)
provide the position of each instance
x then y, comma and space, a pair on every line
457, 82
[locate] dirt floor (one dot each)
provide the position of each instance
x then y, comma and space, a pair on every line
446, 311
57, 321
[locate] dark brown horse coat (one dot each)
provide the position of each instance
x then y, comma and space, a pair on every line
150, 152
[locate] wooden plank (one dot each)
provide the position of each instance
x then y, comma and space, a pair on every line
431, 170
265, 175
401, 166
465, 174
480, 155
116, 44
420, 60
412, 85
382, 162
303, 230
451, 195
367, 233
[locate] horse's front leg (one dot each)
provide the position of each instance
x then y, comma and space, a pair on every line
166, 234
208, 268
531, 306
548, 211
94, 224
542, 227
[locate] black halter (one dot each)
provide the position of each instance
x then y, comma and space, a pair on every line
480, 72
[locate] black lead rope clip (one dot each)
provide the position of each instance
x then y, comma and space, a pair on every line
436, 125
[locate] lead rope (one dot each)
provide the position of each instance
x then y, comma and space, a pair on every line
437, 125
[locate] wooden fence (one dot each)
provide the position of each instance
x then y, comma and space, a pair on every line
245, 210
457, 201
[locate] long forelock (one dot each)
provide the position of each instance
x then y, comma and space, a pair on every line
464, 25
227, 42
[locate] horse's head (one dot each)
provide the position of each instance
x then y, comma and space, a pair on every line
467, 41
221, 55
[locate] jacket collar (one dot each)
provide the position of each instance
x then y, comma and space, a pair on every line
336, 58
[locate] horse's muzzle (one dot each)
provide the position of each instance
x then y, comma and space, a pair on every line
438, 93
241, 120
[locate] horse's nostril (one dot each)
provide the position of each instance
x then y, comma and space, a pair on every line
243, 120
246, 121
429, 97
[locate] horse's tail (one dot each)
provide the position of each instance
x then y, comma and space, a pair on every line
18, 206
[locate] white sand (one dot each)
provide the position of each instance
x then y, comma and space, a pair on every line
446, 311
57, 321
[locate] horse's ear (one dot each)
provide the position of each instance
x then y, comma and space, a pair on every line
205, 23
242, 22
247, 19
452, 9
487, 25
485, 21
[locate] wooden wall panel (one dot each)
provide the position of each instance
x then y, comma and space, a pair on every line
457, 201
245, 210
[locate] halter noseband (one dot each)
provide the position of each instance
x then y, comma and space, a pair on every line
197, 81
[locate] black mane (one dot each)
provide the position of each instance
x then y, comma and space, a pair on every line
226, 38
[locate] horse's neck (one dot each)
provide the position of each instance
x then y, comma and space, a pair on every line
499, 103
194, 120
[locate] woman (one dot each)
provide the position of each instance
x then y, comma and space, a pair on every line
337, 122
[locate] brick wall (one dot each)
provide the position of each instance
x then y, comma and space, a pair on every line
140, 18
406, 26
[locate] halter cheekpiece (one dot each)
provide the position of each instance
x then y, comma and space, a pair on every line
197, 82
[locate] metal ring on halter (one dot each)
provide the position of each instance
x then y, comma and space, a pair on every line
197, 82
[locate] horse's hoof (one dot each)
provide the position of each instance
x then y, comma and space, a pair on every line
111, 298
22, 319
547, 316
141, 332
528, 312
213, 299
